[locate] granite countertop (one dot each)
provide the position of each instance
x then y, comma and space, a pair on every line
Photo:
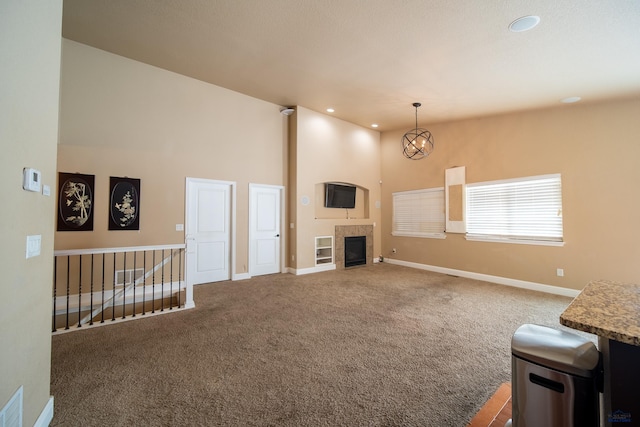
608, 309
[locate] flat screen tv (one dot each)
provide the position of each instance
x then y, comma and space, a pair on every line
339, 196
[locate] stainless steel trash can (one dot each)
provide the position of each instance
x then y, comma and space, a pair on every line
554, 378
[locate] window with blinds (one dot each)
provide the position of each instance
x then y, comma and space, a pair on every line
526, 210
419, 213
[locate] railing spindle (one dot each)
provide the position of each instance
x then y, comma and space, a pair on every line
102, 300
162, 287
91, 295
171, 283
124, 284
79, 291
144, 287
135, 281
55, 287
153, 286
113, 290
180, 255
68, 285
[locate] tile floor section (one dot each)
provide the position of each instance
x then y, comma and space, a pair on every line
497, 411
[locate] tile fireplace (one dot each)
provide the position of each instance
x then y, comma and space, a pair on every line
342, 231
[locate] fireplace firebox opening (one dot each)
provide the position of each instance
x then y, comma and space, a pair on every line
355, 251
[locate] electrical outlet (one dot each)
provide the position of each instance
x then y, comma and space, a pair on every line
393, 250
560, 272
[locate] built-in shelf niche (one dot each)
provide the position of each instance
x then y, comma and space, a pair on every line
324, 250
361, 210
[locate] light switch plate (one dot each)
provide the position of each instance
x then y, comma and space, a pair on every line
33, 245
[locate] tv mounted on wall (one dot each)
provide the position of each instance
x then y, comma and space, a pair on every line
339, 196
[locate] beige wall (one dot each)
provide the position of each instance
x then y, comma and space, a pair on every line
327, 150
30, 72
594, 147
124, 118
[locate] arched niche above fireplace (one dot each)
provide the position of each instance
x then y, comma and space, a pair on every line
361, 210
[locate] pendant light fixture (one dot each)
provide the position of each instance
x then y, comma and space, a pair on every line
417, 143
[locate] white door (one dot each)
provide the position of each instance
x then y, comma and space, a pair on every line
208, 232
264, 229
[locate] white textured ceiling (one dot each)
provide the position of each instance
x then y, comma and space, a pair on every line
371, 59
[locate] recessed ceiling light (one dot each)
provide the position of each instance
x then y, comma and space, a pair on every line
571, 99
374, 125
330, 110
524, 24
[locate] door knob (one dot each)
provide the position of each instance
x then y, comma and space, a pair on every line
277, 235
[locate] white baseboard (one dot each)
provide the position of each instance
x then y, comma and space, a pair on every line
556, 290
316, 269
241, 276
46, 416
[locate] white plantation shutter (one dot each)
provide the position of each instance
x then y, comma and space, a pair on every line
418, 213
520, 209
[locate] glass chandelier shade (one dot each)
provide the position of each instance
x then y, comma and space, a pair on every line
417, 143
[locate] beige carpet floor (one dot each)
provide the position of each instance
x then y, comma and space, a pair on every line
381, 345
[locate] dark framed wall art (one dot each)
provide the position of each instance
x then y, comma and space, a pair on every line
75, 201
124, 203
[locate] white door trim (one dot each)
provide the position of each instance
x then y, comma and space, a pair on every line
283, 236
232, 248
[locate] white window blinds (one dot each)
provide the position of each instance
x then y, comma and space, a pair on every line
520, 209
419, 213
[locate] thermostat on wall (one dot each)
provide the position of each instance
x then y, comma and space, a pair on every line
31, 179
